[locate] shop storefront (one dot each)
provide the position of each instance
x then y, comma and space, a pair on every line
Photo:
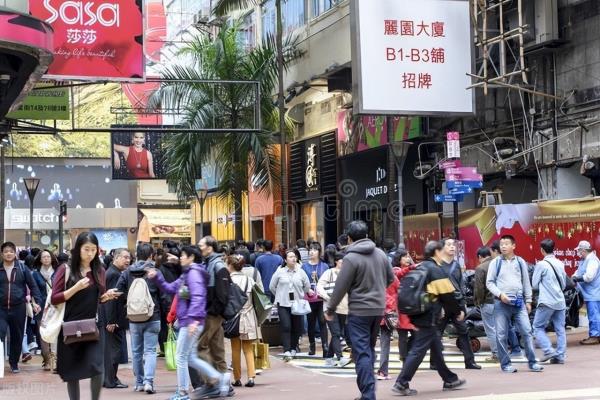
313, 183
367, 191
159, 224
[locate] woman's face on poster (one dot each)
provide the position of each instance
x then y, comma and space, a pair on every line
138, 139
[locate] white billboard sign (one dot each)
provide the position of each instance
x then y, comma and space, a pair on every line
412, 57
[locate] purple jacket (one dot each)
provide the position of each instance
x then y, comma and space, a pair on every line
194, 308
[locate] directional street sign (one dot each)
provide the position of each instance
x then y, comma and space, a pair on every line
471, 184
450, 164
471, 177
448, 198
461, 190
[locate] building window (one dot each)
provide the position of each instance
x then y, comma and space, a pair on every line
321, 6
293, 13
247, 33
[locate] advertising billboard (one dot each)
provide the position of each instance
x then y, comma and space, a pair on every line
411, 58
42, 104
137, 154
94, 40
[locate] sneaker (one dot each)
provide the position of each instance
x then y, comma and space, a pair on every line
138, 388
557, 361
492, 359
453, 385
15, 370
287, 356
547, 357
342, 362
209, 392
258, 371
403, 390
293, 353
381, 376
32, 346
329, 362
225, 383
26, 357
149, 388
509, 369
250, 383
590, 341
536, 368
180, 396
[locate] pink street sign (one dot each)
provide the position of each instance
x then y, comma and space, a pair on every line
450, 164
462, 177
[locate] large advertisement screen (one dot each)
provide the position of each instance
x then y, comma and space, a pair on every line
137, 154
94, 39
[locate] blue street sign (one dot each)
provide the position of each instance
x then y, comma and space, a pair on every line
448, 198
461, 189
471, 184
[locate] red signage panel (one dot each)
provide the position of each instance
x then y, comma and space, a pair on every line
94, 40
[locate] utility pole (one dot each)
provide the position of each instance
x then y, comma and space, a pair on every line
285, 234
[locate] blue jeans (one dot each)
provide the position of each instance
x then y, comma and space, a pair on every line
503, 314
593, 310
187, 355
363, 332
489, 324
144, 339
544, 315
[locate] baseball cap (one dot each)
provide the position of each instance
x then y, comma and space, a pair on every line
584, 245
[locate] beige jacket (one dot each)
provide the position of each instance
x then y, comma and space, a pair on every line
248, 323
328, 278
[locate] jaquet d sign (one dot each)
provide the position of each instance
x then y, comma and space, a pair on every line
84, 13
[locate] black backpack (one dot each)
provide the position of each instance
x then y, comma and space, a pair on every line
235, 301
413, 298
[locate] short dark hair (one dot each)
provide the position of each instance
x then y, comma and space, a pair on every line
316, 246
338, 255
397, 259
300, 243
22, 254
35, 251
210, 241
143, 251
62, 258
547, 245
484, 252
509, 237
260, 243
244, 253
495, 246
388, 244
268, 245
8, 244
431, 247
444, 240
357, 230
193, 251
343, 239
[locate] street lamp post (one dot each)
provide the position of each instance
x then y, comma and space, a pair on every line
400, 149
31, 184
201, 194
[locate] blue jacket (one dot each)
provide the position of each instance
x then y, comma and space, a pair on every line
320, 269
590, 290
193, 307
13, 289
267, 264
40, 281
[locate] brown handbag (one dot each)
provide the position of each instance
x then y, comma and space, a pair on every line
83, 330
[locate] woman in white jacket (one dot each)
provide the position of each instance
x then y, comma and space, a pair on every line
248, 323
325, 288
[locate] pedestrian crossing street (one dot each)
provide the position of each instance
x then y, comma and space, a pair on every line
453, 356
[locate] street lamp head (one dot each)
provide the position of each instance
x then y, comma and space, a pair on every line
202, 194
31, 184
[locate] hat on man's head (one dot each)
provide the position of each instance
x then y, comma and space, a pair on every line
584, 245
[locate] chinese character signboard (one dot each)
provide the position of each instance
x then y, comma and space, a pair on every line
412, 57
52, 103
94, 39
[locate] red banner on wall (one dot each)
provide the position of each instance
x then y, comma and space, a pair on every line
94, 40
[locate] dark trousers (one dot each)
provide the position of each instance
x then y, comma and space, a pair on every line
363, 331
335, 347
404, 342
425, 339
344, 327
464, 343
291, 328
112, 355
317, 315
13, 321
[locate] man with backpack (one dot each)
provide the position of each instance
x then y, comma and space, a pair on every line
453, 270
550, 279
115, 321
143, 301
211, 346
508, 280
365, 275
425, 291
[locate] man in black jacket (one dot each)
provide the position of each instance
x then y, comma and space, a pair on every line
115, 321
211, 345
441, 293
454, 272
15, 278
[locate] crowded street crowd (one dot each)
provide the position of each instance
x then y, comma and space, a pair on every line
184, 302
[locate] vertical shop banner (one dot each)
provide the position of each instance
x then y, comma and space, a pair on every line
94, 39
411, 57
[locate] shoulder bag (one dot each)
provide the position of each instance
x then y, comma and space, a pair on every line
231, 326
53, 315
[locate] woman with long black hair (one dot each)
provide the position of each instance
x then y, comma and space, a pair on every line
84, 289
44, 266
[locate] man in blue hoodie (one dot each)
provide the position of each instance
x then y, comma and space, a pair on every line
267, 264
